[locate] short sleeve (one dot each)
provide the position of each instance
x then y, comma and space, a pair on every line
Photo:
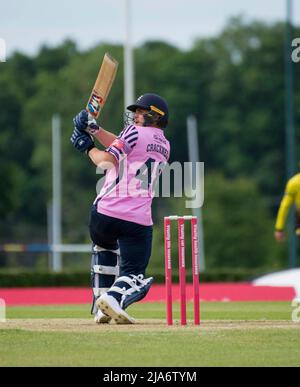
124, 143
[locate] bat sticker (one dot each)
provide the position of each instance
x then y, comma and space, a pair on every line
94, 104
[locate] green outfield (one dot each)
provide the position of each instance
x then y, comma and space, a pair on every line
231, 334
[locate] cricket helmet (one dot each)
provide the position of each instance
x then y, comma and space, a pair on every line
157, 107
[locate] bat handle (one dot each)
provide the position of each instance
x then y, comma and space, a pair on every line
92, 127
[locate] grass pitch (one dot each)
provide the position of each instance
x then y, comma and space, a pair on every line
231, 334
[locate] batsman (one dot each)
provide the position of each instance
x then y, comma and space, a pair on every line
120, 220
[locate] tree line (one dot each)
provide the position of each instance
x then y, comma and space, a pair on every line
233, 83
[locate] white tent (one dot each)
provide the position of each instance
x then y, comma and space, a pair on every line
288, 278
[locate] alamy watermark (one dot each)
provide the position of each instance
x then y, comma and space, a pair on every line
2, 311
296, 51
2, 50
296, 310
153, 179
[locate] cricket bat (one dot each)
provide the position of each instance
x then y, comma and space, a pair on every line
103, 84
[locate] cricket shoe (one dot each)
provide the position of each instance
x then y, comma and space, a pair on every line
110, 307
101, 318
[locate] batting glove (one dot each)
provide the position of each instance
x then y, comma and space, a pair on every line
85, 121
82, 141
93, 127
81, 120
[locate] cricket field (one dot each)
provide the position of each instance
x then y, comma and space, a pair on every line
230, 334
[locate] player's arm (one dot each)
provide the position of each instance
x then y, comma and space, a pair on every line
102, 159
281, 217
86, 123
103, 136
283, 211
285, 205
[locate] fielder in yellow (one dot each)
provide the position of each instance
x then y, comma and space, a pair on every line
291, 196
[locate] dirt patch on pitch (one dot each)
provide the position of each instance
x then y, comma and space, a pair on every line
87, 325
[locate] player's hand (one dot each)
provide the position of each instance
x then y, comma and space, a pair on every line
85, 122
82, 141
279, 236
92, 127
81, 120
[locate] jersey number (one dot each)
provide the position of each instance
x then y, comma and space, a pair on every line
146, 175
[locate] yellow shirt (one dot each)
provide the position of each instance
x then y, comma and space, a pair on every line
291, 195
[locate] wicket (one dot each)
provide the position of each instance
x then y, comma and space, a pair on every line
182, 267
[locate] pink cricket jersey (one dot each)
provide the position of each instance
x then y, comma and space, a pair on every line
128, 191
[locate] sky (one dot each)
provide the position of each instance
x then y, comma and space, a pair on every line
27, 24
